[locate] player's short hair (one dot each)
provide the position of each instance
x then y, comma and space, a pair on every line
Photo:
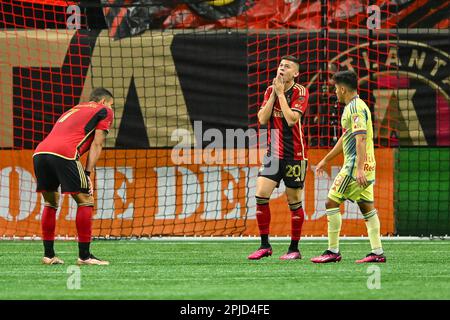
347, 78
98, 94
292, 59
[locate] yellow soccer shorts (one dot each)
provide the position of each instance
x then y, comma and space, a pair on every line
346, 188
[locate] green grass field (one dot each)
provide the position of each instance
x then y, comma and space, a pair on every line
220, 270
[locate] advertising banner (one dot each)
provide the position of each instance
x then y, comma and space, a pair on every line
151, 192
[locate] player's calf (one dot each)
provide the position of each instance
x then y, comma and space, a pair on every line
297, 217
263, 219
84, 230
48, 225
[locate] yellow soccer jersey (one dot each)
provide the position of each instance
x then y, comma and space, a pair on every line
356, 119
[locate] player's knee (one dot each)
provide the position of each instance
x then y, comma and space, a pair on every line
263, 193
295, 209
51, 199
83, 199
53, 204
369, 214
365, 206
87, 203
294, 198
262, 200
330, 204
264, 187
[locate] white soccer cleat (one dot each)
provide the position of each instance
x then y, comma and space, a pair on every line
92, 260
50, 261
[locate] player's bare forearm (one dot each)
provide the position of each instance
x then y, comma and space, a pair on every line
330, 156
95, 149
94, 155
335, 151
292, 117
360, 159
266, 111
360, 151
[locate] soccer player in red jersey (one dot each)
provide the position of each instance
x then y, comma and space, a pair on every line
284, 104
57, 163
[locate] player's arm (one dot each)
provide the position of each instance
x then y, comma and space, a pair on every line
337, 150
330, 156
359, 129
94, 154
95, 149
265, 112
292, 117
360, 158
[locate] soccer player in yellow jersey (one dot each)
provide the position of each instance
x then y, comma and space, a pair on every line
355, 180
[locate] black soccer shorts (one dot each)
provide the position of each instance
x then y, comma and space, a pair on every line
293, 172
52, 171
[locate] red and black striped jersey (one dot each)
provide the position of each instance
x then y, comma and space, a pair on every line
289, 142
73, 132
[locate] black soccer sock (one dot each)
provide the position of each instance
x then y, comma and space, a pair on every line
265, 241
83, 248
293, 247
49, 251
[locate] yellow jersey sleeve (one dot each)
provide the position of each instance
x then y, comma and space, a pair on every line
358, 118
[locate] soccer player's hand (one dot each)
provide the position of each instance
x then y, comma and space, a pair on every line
361, 178
320, 167
278, 85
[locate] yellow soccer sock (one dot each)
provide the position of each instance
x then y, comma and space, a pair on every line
373, 230
334, 228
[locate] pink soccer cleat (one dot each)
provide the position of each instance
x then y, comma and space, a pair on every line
291, 256
260, 253
327, 256
372, 257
